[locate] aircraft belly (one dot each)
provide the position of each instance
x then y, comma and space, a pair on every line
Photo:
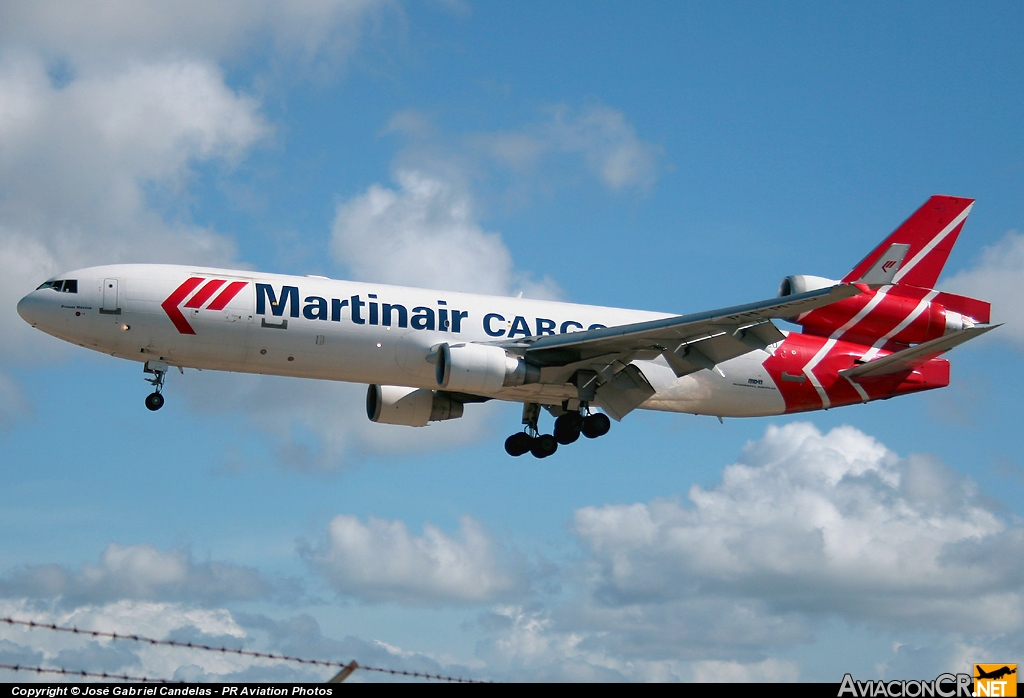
298, 349
745, 390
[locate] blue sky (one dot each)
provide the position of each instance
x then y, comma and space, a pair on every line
674, 157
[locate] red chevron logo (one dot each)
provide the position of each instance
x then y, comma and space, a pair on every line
172, 304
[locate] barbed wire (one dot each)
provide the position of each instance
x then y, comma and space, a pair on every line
211, 648
89, 674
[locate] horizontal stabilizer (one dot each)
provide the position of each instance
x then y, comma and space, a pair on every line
914, 356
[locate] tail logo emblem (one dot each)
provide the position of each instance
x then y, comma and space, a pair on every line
888, 265
173, 303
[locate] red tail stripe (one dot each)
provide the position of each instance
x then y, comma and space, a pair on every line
204, 293
170, 305
221, 301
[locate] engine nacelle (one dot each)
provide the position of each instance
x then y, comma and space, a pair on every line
481, 368
801, 283
411, 407
899, 314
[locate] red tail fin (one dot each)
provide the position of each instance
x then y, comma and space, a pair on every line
931, 232
901, 307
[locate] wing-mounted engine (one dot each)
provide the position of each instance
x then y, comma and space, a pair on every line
411, 407
480, 368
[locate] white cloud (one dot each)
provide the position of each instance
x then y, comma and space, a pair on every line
95, 32
157, 620
425, 233
806, 529
541, 644
608, 143
998, 278
602, 136
818, 524
382, 561
319, 426
139, 572
767, 671
80, 159
295, 636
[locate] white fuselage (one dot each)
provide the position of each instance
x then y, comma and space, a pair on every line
313, 327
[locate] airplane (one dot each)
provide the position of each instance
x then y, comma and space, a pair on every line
874, 334
995, 674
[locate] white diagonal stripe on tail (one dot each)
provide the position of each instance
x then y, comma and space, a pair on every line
931, 245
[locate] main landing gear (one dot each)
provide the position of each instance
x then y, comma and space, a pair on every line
155, 400
568, 427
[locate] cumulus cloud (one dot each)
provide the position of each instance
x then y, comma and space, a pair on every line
157, 620
807, 529
998, 278
94, 32
425, 233
78, 157
546, 645
818, 524
80, 161
296, 636
382, 561
138, 572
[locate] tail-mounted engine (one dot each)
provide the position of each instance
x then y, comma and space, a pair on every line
900, 313
480, 368
411, 407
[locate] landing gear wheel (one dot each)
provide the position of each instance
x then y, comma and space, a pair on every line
595, 425
158, 369
543, 446
154, 401
567, 428
518, 444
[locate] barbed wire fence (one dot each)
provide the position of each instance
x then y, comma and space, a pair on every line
345, 668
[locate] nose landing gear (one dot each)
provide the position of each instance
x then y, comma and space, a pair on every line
155, 400
568, 428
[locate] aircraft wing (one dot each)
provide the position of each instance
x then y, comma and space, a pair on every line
907, 359
689, 343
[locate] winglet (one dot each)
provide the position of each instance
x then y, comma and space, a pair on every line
884, 270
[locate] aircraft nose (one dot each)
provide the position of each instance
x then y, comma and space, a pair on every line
30, 309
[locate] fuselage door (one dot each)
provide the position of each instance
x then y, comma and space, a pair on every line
110, 306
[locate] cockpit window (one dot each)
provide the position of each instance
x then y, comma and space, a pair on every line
62, 285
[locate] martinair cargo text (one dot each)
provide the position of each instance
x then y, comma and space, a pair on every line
875, 334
